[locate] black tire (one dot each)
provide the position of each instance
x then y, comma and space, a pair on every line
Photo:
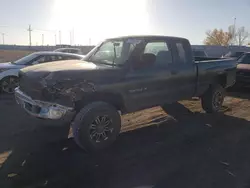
90, 115
213, 99
8, 84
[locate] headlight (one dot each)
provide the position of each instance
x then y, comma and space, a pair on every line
56, 113
53, 112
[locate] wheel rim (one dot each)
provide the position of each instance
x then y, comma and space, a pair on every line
9, 84
101, 129
218, 100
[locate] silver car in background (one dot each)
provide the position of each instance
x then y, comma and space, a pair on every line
9, 70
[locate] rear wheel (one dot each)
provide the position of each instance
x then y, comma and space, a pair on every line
213, 99
8, 84
96, 126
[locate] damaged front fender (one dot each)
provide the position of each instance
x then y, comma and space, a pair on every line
66, 92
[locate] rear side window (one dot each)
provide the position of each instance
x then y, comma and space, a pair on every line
181, 53
155, 47
161, 51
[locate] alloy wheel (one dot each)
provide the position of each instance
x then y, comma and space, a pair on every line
9, 84
100, 129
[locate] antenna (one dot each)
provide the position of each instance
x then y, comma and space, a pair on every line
29, 29
42, 39
55, 39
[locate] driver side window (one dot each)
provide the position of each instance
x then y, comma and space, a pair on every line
106, 52
38, 60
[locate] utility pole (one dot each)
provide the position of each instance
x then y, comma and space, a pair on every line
3, 34
29, 29
60, 38
42, 39
70, 38
55, 39
234, 37
73, 36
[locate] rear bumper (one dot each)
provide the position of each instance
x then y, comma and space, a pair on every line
42, 109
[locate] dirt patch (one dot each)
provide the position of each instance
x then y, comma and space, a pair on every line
187, 148
12, 55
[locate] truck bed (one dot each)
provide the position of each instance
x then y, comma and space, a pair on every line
208, 71
206, 58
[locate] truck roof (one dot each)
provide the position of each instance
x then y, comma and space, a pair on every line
146, 37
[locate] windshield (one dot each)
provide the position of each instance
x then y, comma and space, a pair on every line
111, 52
241, 58
24, 60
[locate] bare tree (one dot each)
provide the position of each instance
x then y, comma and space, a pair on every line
232, 31
241, 35
226, 38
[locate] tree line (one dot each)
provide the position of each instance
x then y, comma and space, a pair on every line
233, 36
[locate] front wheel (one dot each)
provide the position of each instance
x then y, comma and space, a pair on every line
213, 99
96, 126
8, 84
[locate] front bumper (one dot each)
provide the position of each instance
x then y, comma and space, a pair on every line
42, 109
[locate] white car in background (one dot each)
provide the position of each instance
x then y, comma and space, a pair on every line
69, 50
9, 71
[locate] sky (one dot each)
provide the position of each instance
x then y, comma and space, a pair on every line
86, 22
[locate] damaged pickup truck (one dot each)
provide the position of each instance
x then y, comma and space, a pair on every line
121, 75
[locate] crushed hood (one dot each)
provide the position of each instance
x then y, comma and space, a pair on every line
60, 66
68, 79
66, 70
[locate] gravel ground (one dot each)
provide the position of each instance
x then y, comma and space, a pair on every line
12, 55
187, 149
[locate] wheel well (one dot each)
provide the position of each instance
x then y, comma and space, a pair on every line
222, 80
9, 76
113, 99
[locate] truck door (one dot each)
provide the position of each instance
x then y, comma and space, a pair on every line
183, 70
148, 81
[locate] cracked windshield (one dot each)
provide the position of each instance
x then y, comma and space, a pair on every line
124, 94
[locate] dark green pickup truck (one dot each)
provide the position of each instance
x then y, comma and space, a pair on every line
121, 75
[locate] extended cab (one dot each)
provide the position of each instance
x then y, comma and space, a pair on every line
121, 75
